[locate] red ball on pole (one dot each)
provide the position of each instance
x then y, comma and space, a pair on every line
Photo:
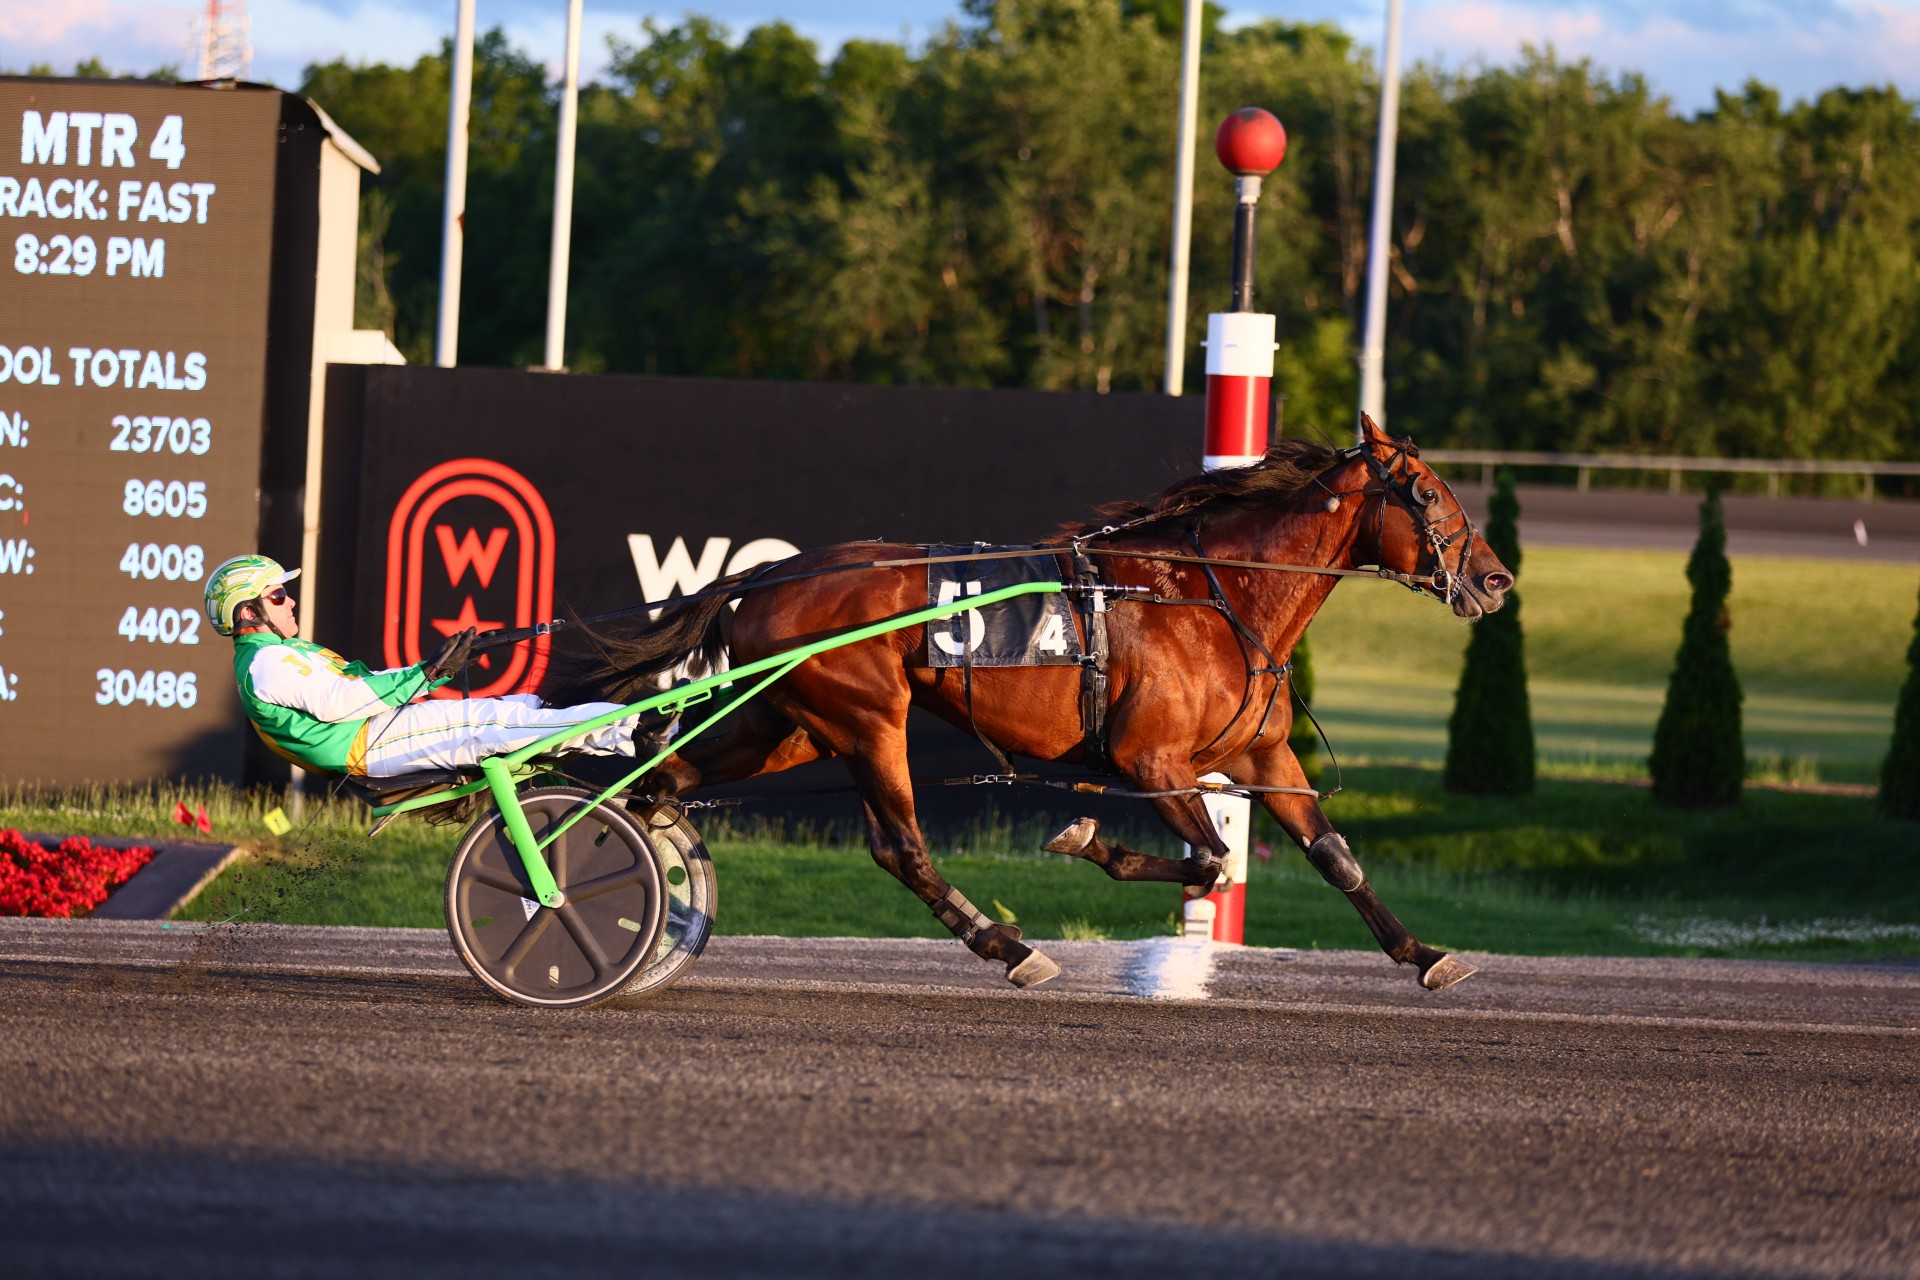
1251, 142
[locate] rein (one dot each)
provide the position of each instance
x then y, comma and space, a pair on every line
1443, 582
1415, 580
514, 635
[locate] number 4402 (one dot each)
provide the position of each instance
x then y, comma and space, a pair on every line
168, 626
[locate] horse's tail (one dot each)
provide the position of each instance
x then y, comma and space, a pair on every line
628, 665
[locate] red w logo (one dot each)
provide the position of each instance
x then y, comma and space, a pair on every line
469, 553
458, 500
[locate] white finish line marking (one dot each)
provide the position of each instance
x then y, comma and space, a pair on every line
1170, 968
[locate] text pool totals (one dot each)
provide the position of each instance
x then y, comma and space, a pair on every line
136, 227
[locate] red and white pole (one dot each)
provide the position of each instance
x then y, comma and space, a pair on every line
1240, 343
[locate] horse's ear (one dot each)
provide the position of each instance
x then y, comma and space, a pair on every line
1370, 431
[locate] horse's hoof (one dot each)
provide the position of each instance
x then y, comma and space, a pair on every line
1033, 971
1446, 971
1200, 875
1074, 837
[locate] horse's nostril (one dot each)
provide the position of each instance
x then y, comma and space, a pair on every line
1498, 583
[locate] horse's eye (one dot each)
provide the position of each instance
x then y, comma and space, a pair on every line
1429, 496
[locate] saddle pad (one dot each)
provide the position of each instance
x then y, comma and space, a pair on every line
1026, 631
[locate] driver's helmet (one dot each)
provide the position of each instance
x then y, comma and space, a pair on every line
237, 581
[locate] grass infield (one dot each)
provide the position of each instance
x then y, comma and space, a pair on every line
1819, 646
1581, 867
1586, 865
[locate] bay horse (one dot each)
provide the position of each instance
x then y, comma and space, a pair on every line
1190, 690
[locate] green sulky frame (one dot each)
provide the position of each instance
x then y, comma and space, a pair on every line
500, 774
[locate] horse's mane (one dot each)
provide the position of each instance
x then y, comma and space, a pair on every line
1290, 466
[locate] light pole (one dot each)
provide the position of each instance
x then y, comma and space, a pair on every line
453, 221
1176, 380
563, 197
1373, 348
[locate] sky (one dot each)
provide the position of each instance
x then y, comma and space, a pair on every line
1686, 48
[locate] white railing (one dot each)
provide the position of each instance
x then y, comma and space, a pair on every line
1585, 464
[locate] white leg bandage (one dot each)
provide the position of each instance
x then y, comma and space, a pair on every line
453, 733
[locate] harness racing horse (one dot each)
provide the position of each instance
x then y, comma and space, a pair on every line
1188, 691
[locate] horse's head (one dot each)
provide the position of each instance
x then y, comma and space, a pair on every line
1412, 524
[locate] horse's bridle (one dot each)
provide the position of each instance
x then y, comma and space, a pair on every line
1395, 481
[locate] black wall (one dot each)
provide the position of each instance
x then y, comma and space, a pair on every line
698, 459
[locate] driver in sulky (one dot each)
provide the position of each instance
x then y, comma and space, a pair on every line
322, 712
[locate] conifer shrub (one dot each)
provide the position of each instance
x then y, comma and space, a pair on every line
1699, 759
1900, 774
1490, 734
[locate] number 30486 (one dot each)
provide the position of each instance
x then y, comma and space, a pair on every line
153, 688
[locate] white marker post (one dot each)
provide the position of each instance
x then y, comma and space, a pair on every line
1251, 144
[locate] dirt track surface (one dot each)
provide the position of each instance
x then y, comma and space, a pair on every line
294, 1102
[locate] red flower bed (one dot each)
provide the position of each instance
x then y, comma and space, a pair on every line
68, 881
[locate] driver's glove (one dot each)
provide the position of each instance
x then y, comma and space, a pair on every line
455, 653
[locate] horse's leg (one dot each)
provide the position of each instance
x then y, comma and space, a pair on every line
1187, 817
758, 739
874, 744
1303, 819
899, 848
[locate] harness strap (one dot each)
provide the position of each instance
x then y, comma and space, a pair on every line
1093, 605
1243, 636
966, 691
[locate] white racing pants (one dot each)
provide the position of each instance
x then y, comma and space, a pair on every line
454, 733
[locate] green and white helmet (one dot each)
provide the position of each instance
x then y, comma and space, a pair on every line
237, 581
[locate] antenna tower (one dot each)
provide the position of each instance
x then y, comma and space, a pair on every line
220, 41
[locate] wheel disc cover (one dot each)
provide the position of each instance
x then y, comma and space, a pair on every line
608, 926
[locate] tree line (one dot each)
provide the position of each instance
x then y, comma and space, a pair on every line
1575, 265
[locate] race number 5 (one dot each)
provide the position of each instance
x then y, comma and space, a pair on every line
976, 625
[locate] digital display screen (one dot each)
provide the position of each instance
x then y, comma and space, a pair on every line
136, 243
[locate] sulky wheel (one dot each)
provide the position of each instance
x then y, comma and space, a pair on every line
693, 896
606, 931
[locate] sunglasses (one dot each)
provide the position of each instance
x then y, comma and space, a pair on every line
274, 595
